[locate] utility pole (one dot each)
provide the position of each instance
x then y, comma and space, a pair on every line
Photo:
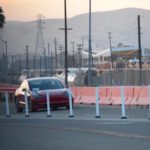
45, 58
80, 61
12, 68
55, 41
109, 36
139, 43
140, 50
51, 63
80, 55
61, 56
27, 60
66, 42
73, 61
49, 58
90, 48
48, 49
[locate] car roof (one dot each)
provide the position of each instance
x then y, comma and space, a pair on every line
41, 78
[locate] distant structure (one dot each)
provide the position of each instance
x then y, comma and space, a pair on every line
1, 42
40, 47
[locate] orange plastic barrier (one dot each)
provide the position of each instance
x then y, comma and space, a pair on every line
134, 95
74, 91
102, 94
143, 99
78, 94
88, 95
105, 95
116, 95
129, 94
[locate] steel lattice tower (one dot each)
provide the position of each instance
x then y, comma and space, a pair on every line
39, 47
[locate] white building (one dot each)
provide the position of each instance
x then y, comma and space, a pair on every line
99, 57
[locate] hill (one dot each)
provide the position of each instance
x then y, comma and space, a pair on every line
122, 23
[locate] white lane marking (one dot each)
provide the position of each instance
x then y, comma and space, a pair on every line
114, 123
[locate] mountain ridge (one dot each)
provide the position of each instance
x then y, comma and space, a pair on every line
122, 23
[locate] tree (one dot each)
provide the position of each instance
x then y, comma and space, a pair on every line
2, 18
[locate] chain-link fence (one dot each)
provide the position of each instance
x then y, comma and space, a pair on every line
14, 68
122, 77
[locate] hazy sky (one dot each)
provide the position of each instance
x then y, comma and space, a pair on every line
25, 10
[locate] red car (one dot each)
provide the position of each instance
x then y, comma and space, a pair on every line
36, 91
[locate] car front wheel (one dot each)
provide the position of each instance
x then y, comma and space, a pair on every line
18, 108
31, 107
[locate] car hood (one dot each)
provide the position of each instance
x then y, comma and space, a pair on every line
55, 92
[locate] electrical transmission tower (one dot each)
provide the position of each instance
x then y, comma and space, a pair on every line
39, 47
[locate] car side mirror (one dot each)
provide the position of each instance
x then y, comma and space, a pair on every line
24, 90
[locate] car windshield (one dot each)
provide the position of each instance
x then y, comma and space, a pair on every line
44, 84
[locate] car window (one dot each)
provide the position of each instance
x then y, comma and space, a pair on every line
45, 84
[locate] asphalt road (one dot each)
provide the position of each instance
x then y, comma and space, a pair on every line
83, 132
55, 134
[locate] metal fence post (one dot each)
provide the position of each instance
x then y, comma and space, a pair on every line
48, 103
123, 103
26, 105
7, 105
97, 103
70, 104
149, 101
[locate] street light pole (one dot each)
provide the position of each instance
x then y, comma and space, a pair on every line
66, 47
90, 48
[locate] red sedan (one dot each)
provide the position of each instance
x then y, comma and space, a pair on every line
36, 89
